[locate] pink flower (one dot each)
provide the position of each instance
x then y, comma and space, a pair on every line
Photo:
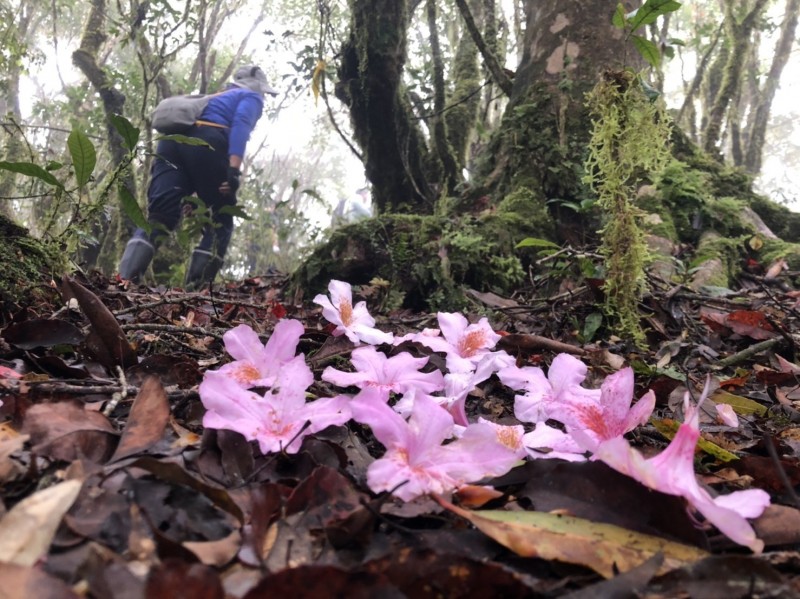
611, 415
672, 472
416, 462
464, 344
278, 420
257, 365
398, 374
353, 321
550, 396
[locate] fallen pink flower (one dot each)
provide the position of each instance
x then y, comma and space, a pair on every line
458, 386
463, 343
611, 415
353, 321
416, 462
279, 419
550, 396
672, 472
398, 374
256, 364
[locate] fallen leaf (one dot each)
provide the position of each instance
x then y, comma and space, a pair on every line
740, 405
473, 496
604, 548
25, 582
42, 332
107, 342
27, 530
669, 428
778, 525
216, 553
751, 323
147, 420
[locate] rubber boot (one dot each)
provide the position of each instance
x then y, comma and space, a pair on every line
203, 267
136, 258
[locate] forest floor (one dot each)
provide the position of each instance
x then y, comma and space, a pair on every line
111, 487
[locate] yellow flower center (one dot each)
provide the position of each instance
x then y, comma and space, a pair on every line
346, 313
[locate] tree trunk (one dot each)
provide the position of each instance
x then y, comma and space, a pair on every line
738, 33
85, 58
783, 49
370, 83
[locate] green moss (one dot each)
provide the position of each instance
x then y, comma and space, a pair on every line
629, 142
729, 250
428, 260
28, 264
776, 249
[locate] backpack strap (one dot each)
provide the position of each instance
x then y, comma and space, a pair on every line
210, 124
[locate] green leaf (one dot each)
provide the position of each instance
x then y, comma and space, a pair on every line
129, 133
533, 242
647, 49
132, 209
618, 20
31, 170
605, 548
84, 157
591, 325
235, 211
184, 139
650, 11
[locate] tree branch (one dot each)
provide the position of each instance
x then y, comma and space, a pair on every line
492, 64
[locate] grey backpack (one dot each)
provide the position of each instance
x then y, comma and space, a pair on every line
177, 114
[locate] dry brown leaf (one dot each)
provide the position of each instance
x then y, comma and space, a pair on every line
146, 423
27, 530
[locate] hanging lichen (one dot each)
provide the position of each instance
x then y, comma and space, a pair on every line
629, 143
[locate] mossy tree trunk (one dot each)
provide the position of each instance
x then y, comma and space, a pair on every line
370, 83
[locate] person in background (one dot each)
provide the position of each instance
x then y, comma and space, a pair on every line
212, 173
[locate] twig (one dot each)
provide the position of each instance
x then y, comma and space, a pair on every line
746, 353
43, 387
171, 328
118, 396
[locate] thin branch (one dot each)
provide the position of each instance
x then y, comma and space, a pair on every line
499, 76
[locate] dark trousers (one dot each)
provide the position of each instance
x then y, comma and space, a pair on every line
181, 170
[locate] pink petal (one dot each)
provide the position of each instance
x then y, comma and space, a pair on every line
727, 415
641, 411
387, 425
282, 344
566, 371
452, 325
242, 343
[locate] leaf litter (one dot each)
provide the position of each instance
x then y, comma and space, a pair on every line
111, 487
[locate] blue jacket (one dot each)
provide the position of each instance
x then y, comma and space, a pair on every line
239, 109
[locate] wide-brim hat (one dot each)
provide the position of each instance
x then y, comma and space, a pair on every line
253, 78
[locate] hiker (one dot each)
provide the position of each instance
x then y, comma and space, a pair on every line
180, 170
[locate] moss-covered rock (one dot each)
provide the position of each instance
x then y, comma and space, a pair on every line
427, 259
